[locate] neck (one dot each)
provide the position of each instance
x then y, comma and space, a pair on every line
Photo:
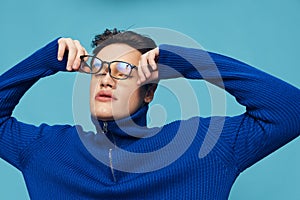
127, 128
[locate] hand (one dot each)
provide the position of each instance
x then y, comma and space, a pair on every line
147, 70
75, 50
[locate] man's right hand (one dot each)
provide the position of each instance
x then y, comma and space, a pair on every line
75, 50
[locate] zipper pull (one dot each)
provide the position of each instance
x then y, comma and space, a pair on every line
111, 165
104, 128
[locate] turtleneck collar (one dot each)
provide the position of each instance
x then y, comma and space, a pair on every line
126, 130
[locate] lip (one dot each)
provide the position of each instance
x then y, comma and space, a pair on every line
105, 96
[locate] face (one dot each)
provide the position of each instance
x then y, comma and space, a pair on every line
112, 99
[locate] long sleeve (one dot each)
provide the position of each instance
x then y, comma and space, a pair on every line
14, 135
272, 116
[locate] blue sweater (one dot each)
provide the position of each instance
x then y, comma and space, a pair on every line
198, 158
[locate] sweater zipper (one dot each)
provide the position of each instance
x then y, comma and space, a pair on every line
105, 130
111, 165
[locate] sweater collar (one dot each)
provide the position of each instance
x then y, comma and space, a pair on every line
124, 130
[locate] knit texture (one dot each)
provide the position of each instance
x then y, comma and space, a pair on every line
64, 162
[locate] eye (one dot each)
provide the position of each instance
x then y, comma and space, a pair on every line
101, 74
97, 63
123, 68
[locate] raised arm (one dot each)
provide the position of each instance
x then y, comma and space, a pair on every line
272, 116
14, 135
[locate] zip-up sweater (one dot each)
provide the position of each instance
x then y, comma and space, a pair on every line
197, 158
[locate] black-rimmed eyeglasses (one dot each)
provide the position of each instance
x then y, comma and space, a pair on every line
117, 69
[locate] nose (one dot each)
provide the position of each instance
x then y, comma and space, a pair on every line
106, 80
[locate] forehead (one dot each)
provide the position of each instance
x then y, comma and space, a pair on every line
118, 51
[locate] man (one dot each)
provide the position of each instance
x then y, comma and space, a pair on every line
121, 160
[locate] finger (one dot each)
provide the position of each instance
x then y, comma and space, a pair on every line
154, 77
151, 60
141, 75
61, 49
80, 51
72, 54
85, 52
145, 65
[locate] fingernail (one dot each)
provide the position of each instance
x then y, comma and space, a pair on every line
59, 58
74, 65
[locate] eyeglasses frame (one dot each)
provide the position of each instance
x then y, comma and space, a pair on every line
108, 66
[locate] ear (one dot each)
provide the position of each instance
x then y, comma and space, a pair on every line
149, 95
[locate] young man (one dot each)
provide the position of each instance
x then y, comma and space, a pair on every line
121, 160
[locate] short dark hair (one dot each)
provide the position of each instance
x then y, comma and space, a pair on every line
110, 36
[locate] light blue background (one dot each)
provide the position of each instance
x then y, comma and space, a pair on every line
262, 33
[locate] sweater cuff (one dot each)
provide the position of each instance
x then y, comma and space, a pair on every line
47, 57
175, 61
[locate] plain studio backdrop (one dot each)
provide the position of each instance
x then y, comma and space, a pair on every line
262, 33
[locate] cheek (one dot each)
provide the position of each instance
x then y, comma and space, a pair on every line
130, 96
135, 98
93, 90
93, 85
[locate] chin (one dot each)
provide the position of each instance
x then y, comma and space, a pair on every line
101, 115
107, 113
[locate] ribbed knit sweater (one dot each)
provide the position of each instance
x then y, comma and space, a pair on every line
197, 162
